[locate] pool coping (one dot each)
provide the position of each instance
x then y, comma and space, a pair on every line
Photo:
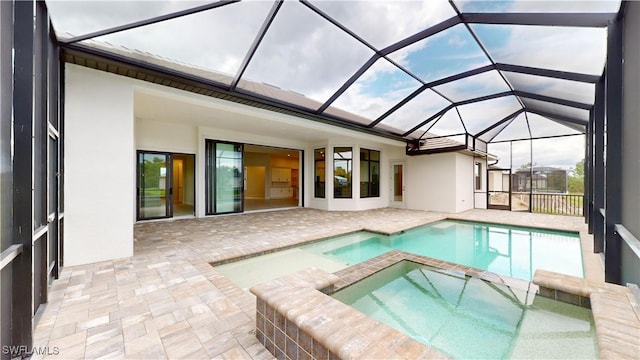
299, 301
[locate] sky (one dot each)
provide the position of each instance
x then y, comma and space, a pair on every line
304, 53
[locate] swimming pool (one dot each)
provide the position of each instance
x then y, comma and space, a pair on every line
466, 317
506, 250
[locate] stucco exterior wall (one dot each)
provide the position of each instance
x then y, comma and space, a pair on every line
99, 166
464, 182
431, 182
104, 131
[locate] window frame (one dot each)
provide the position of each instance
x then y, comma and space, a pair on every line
349, 178
319, 187
369, 162
477, 172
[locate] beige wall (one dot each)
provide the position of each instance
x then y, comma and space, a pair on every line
100, 180
255, 182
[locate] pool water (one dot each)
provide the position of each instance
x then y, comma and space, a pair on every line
511, 251
465, 317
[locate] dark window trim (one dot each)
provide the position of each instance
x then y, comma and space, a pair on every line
350, 163
315, 174
477, 173
208, 176
369, 180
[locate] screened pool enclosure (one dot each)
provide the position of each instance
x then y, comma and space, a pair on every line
470, 72
517, 83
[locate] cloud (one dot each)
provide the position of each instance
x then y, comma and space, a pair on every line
480, 115
546, 152
305, 53
485, 83
217, 39
581, 50
562, 89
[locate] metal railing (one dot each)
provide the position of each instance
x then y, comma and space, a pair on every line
561, 204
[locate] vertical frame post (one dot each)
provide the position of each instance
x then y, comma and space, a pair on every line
613, 180
598, 167
22, 314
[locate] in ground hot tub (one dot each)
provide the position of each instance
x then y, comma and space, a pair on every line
467, 317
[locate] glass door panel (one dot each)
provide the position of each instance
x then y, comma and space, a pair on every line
154, 185
229, 180
398, 190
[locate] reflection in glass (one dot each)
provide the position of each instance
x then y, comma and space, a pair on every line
224, 182
319, 171
153, 180
229, 179
398, 183
342, 168
369, 173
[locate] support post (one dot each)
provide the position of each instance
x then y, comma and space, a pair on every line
613, 180
598, 168
587, 204
22, 313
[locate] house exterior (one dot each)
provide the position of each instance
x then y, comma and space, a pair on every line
88, 137
140, 116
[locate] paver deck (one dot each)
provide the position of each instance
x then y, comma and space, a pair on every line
166, 301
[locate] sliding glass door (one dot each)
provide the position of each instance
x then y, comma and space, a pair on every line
224, 177
154, 185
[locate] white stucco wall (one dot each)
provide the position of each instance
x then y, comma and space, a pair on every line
99, 166
440, 182
164, 136
103, 136
431, 183
464, 182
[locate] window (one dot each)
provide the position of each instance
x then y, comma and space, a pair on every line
342, 158
224, 178
369, 173
319, 173
478, 175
